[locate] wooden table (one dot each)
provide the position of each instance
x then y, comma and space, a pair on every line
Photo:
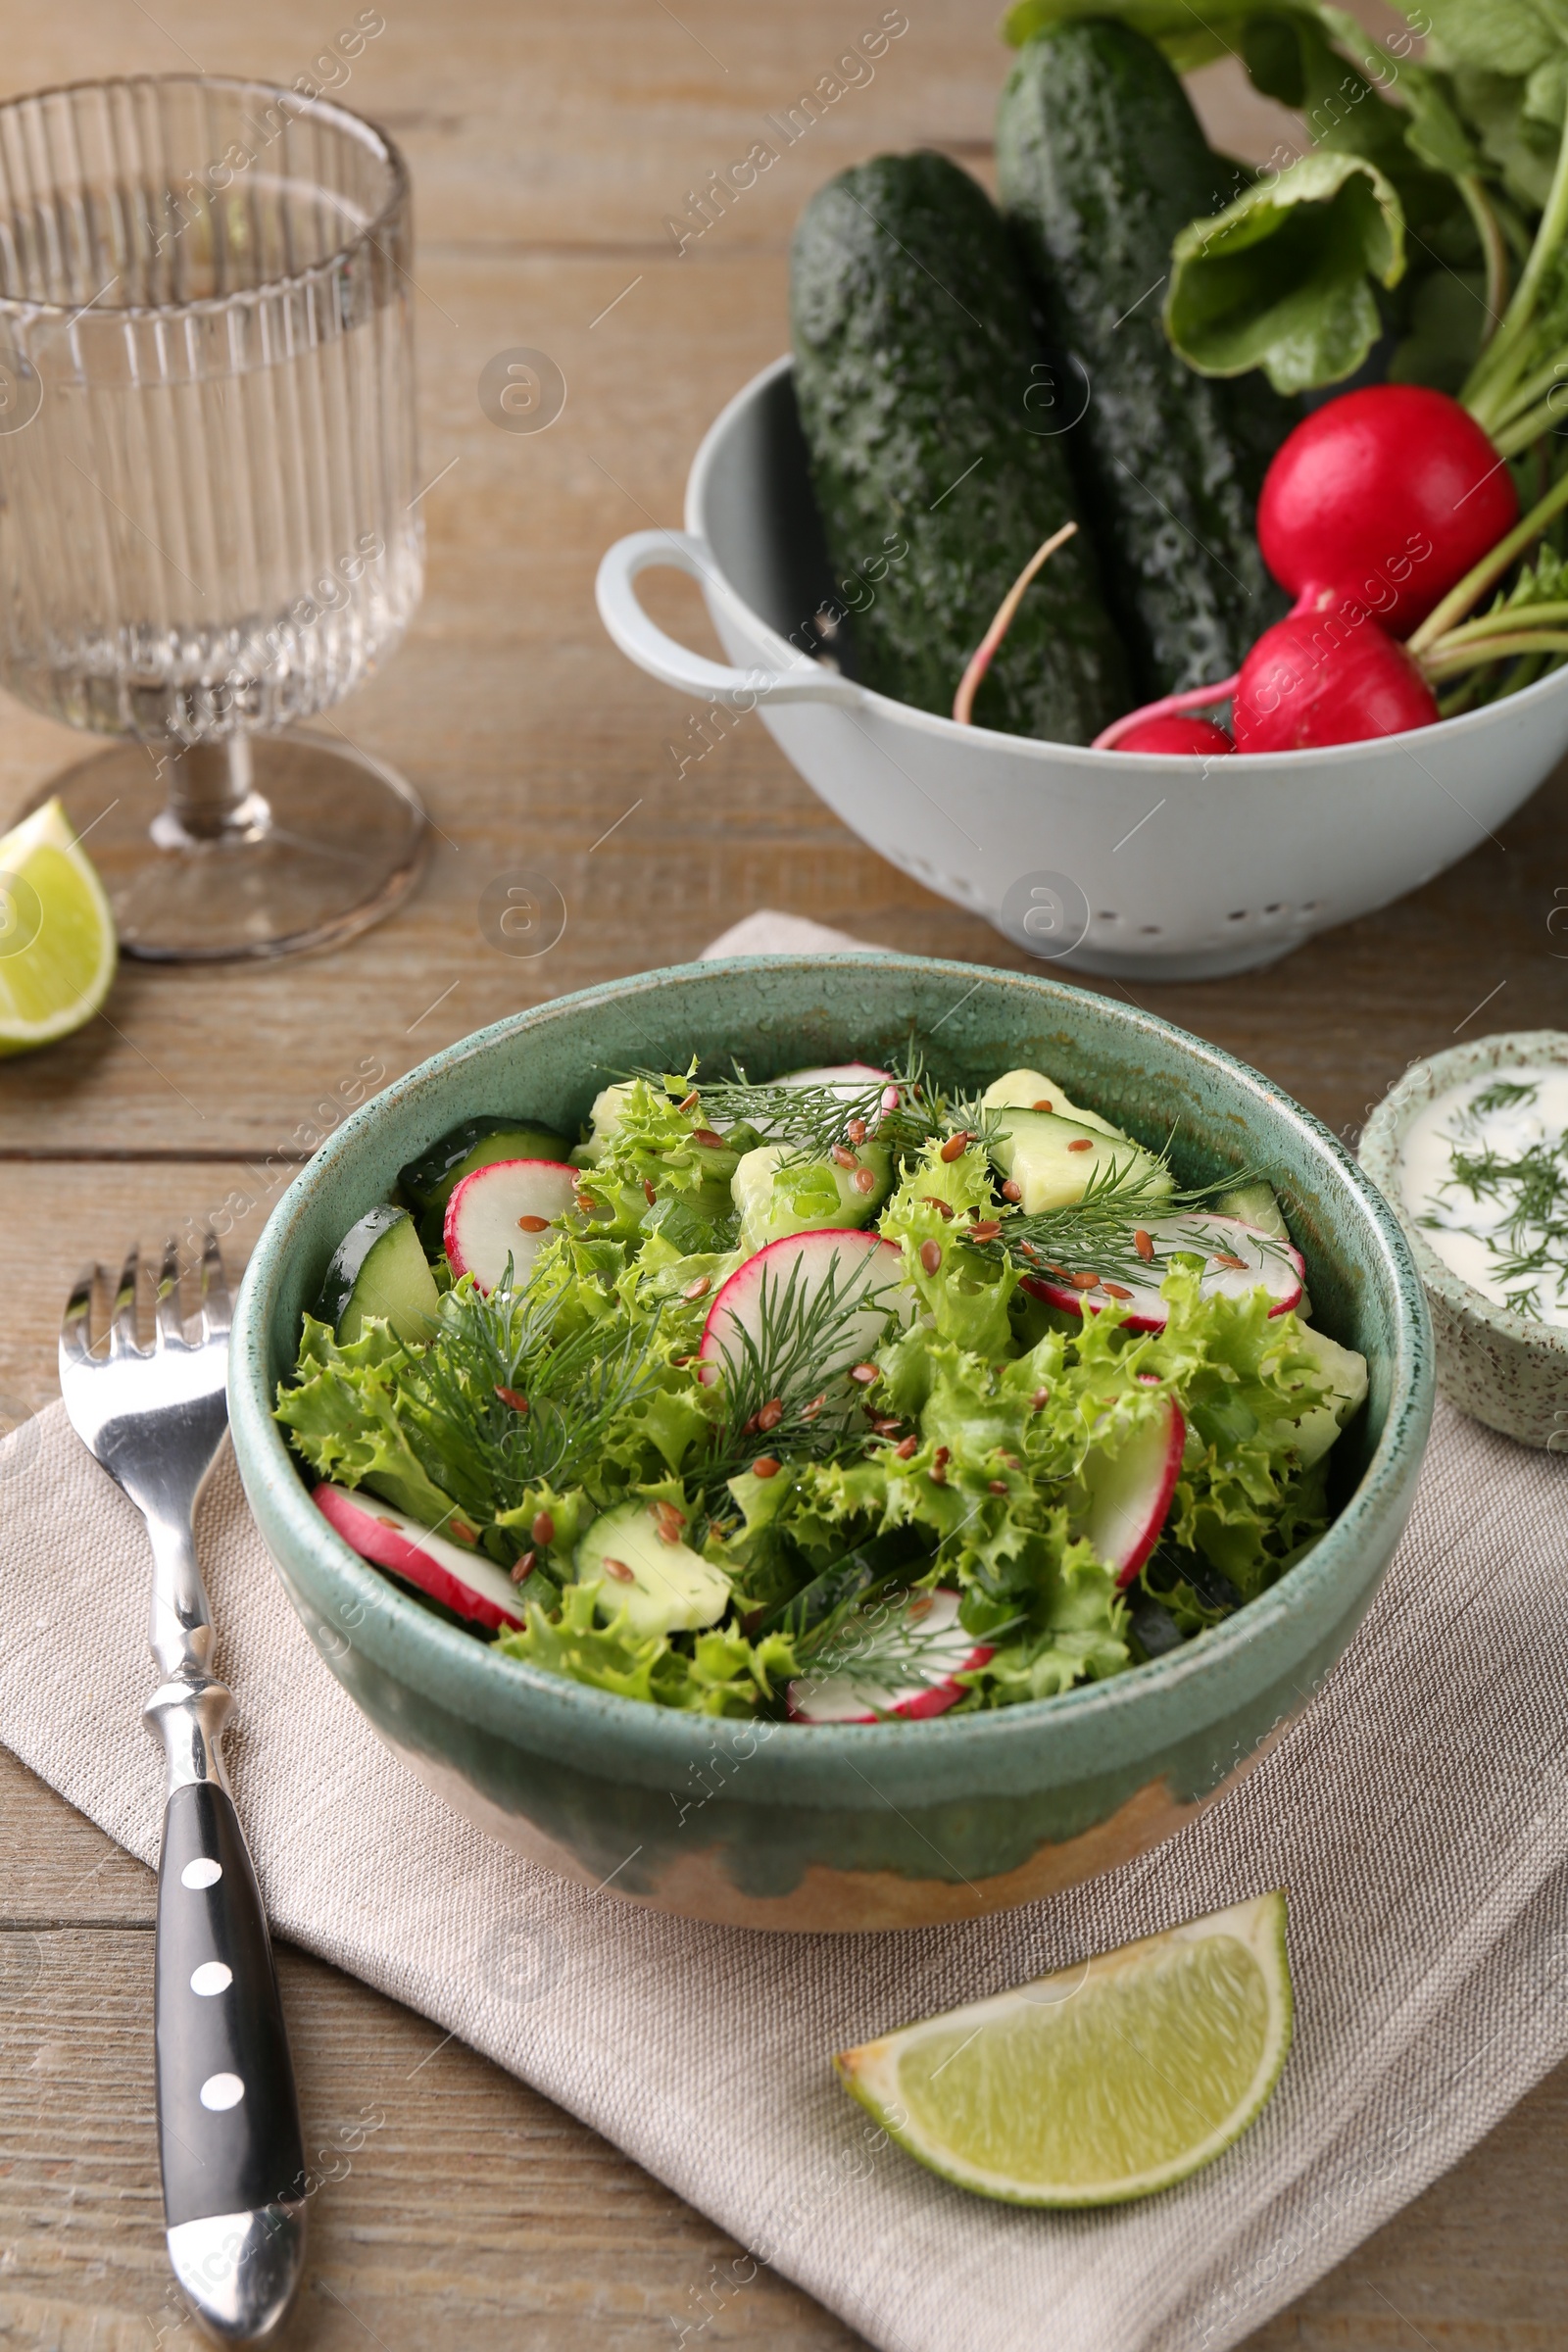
549, 146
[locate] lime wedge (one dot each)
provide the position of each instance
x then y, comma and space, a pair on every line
1105, 2081
57, 935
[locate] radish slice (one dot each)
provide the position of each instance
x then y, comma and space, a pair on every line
1240, 1258
465, 1581
846, 1078
1129, 1488
944, 1650
865, 1268
502, 1211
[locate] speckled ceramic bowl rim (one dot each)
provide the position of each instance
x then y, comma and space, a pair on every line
669, 1736
1383, 1140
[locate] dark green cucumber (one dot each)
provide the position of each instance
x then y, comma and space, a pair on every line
378, 1268
915, 354
1100, 160
429, 1182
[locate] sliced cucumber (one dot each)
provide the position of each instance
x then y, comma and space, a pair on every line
379, 1269
663, 1585
1028, 1089
429, 1182
1346, 1373
1054, 1159
1255, 1204
808, 1196
603, 1120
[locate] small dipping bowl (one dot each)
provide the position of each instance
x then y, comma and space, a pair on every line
1508, 1370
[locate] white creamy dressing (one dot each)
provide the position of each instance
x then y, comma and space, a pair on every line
1484, 1170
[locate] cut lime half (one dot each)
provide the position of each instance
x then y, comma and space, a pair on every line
57, 935
1105, 2081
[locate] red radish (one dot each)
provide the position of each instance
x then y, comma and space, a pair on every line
788, 1275
502, 1211
1193, 736
928, 1623
465, 1581
1128, 1489
1240, 1259
1383, 499
1318, 679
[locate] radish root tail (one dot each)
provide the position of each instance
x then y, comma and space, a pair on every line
1196, 698
981, 659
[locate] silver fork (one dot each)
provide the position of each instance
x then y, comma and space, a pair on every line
228, 2126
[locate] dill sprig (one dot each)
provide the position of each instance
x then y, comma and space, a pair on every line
1099, 1231
884, 1647
573, 1391
1530, 1192
808, 1121
794, 1366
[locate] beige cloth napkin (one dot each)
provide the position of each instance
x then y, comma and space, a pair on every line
1418, 1813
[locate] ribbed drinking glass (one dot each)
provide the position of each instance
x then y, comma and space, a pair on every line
207, 477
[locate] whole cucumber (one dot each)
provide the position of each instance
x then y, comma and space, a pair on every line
1100, 160
915, 354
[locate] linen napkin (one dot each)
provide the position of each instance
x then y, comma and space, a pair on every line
1417, 1812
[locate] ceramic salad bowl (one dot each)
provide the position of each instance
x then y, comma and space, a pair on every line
1104, 861
849, 1825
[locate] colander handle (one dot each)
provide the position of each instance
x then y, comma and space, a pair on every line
675, 664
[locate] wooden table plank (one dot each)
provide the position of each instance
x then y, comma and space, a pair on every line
549, 147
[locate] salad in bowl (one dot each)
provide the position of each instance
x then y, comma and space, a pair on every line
848, 1396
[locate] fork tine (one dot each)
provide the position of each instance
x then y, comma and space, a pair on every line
216, 1310
168, 1326
75, 1328
123, 1329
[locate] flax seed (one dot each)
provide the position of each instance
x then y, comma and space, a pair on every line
1081, 1142
524, 1567
533, 1224
957, 1146
517, 1402
772, 1414
619, 1571
931, 1257
1012, 1191
699, 1288
765, 1466
543, 1530
1143, 1244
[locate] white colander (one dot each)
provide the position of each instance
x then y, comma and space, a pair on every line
1106, 861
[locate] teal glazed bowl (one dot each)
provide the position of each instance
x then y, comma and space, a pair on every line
853, 1826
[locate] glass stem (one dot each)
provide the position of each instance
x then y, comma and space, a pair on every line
209, 787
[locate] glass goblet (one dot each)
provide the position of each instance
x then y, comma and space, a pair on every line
207, 477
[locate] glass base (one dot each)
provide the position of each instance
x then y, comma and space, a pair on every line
276, 844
